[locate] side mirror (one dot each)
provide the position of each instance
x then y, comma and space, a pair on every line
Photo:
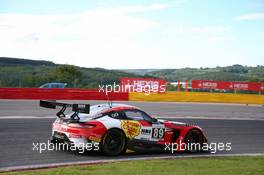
154, 120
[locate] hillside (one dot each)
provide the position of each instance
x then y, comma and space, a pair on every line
229, 73
5, 61
15, 72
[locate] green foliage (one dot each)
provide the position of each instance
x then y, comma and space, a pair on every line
236, 69
23, 75
170, 87
33, 81
31, 73
18, 61
35, 74
66, 73
229, 73
180, 166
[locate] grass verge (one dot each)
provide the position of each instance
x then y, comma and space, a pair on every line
183, 166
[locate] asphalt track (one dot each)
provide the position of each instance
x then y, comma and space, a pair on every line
241, 125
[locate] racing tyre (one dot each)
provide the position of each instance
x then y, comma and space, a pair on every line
53, 140
114, 142
194, 141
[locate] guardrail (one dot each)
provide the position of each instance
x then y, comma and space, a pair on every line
94, 94
60, 94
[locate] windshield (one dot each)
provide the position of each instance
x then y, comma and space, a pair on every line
95, 111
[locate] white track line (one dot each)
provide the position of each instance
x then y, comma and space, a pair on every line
209, 118
161, 117
91, 162
26, 117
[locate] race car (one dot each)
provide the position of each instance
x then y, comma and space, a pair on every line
118, 127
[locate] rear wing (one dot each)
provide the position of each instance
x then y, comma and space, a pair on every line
76, 108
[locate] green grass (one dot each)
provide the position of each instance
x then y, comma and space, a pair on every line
183, 166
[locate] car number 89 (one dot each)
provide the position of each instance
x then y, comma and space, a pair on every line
158, 133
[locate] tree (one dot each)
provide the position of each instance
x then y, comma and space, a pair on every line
67, 74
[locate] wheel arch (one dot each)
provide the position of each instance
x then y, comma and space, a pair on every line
204, 138
118, 129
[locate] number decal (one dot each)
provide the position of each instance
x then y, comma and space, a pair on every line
158, 133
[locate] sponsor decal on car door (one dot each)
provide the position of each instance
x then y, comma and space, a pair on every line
153, 132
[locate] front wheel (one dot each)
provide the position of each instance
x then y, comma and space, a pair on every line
194, 141
114, 142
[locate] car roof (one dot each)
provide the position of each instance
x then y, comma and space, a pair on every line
54, 83
102, 108
105, 108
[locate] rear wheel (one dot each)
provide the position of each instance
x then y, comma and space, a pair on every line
114, 142
54, 141
194, 141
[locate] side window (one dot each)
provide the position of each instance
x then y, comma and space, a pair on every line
147, 117
116, 115
134, 115
56, 86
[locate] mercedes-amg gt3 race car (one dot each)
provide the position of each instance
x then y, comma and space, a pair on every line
114, 128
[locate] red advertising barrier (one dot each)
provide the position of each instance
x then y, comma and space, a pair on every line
223, 85
143, 84
60, 94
